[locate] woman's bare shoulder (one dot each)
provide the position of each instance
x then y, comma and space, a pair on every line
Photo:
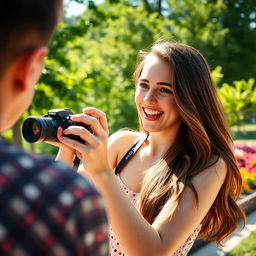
120, 142
124, 138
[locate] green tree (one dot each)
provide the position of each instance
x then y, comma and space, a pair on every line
92, 57
56, 88
108, 53
110, 50
224, 30
237, 54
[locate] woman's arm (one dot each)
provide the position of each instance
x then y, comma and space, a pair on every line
66, 156
164, 237
134, 233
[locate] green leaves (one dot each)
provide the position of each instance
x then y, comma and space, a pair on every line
92, 56
198, 23
239, 101
216, 75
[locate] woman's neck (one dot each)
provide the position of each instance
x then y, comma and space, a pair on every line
158, 143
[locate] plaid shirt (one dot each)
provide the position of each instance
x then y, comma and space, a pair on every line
47, 209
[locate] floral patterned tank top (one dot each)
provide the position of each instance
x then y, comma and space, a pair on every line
115, 247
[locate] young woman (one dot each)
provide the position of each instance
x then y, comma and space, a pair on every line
175, 179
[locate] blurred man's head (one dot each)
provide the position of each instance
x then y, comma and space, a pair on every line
26, 28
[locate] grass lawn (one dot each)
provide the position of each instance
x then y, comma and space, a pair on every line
246, 248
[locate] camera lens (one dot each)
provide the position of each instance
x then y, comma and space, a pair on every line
37, 129
34, 129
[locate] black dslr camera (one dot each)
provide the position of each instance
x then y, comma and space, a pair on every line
37, 129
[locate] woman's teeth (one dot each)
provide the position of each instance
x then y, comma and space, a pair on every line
152, 112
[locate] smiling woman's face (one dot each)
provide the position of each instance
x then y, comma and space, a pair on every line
154, 96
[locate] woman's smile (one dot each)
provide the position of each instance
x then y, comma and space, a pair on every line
151, 114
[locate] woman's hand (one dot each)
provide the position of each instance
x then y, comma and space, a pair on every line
66, 153
93, 153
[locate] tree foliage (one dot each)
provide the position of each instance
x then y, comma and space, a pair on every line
93, 56
237, 55
239, 101
98, 65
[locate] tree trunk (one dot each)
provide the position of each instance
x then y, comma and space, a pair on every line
17, 134
159, 6
32, 145
147, 6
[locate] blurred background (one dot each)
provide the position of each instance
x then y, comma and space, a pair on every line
94, 52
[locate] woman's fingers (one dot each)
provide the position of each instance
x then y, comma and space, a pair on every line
76, 145
79, 155
94, 123
58, 143
93, 152
82, 132
101, 116
95, 138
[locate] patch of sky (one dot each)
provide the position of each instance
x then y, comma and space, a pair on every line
73, 8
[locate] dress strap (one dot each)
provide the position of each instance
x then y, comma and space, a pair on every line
130, 154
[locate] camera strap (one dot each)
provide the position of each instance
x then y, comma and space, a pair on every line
76, 163
131, 152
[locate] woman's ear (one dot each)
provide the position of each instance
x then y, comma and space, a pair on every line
28, 68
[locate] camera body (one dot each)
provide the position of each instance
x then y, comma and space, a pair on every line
38, 129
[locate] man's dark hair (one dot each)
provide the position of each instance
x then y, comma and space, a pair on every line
24, 25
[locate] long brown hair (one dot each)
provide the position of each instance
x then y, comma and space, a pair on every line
203, 139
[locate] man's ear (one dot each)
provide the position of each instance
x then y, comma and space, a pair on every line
28, 68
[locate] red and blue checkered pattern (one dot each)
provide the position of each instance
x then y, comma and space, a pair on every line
48, 209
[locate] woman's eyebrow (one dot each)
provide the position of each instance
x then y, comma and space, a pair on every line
144, 80
159, 83
163, 83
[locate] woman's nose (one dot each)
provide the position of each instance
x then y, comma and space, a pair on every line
150, 97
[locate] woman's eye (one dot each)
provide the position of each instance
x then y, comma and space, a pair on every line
165, 90
142, 85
